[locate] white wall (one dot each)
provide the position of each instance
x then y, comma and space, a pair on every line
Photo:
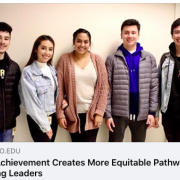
103, 21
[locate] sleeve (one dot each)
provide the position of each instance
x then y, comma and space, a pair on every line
32, 103
159, 79
154, 88
104, 89
60, 75
18, 76
109, 68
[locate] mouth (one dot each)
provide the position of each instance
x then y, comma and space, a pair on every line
2, 46
46, 57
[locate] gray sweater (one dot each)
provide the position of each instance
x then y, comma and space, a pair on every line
118, 76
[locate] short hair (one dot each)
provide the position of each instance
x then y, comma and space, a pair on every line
80, 30
174, 25
5, 27
131, 22
37, 42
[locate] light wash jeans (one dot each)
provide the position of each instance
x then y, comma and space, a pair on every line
6, 136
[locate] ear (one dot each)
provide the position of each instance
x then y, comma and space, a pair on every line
121, 35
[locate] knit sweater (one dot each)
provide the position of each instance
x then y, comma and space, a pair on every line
67, 87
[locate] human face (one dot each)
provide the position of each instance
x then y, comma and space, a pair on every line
82, 43
130, 35
4, 42
45, 51
176, 36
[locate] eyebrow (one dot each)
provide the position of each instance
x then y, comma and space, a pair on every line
82, 40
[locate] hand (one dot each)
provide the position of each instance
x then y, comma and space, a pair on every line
50, 133
156, 124
62, 123
98, 120
150, 121
110, 122
64, 104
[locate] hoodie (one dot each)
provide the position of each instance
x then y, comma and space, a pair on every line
132, 61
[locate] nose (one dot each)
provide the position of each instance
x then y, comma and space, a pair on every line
82, 44
47, 52
2, 40
130, 35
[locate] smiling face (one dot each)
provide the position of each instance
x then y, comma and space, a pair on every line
4, 42
176, 36
45, 51
82, 43
130, 35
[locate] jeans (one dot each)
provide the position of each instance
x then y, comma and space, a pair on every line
6, 136
137, 128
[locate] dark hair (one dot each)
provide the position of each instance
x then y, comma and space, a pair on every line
35, 47
80, 30
130, 22
175, 24
5, 27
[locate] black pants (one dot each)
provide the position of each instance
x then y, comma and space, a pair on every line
137, 128
37, 134
84, 136
171, 128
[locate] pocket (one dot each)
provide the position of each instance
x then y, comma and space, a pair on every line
69, 114
42, 95
41, 90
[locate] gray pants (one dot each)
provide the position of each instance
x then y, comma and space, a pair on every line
137, 128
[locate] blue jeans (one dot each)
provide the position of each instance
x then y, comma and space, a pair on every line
6, 136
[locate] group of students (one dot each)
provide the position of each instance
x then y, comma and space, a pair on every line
125, 90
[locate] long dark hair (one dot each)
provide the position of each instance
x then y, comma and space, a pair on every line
80, 30
35, 47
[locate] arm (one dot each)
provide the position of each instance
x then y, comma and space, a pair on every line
109, 68
18, 76
108, 116
32, 103
104, 89
153, 94
59, 111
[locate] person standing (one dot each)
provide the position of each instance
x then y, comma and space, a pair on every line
133, 80
38, 90
82, 79
9, 78
169, 71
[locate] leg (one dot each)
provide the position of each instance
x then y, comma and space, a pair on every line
90, 135
79, 137
87, 136
75, 137
168, 128
54, 127
177, 131
6, 136
36, 133
120, 126
138, 131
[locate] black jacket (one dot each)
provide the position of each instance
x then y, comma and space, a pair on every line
9, 97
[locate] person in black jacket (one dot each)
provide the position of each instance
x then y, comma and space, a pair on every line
9, 78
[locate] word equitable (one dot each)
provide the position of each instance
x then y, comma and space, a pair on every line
92, 162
